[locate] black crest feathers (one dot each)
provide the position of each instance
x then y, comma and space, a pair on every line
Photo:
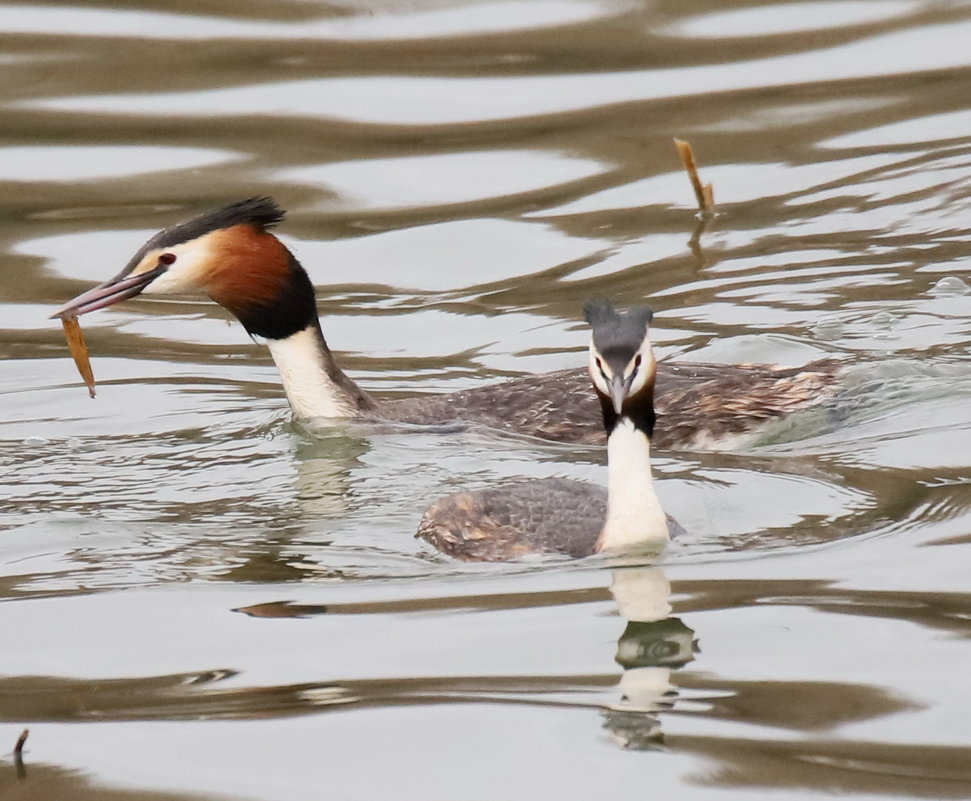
613, 330
260, 212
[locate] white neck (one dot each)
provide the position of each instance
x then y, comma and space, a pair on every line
634, 513
310, 376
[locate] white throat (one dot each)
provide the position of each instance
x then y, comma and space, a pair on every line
634, 513
302, 359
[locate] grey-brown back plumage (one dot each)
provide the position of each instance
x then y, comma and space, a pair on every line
510, 520
516, 518
695, 403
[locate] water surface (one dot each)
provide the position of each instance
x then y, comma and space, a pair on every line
204, 600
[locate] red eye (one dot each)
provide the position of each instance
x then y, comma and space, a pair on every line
600, 366
637, 361
166, 259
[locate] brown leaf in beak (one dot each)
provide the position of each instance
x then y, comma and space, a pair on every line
79, 350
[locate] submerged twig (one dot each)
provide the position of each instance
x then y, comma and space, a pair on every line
704, 193
18, 754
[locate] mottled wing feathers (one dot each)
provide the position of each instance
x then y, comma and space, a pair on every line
551, 515
696, 404
556, 406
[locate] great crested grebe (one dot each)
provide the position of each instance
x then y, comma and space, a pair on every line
231, 255
559, 515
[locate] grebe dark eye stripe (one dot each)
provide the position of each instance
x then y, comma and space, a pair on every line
603, 372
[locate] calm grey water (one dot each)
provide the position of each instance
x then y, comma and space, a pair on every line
203, 600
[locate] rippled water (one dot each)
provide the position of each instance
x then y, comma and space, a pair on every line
205, 600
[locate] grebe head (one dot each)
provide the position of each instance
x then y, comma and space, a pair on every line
622, 365
228, 254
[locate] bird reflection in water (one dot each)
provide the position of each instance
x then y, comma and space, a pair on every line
651, 648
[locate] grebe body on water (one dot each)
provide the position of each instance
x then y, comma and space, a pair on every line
558, 515
232, 255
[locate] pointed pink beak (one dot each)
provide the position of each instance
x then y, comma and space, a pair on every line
109, 293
